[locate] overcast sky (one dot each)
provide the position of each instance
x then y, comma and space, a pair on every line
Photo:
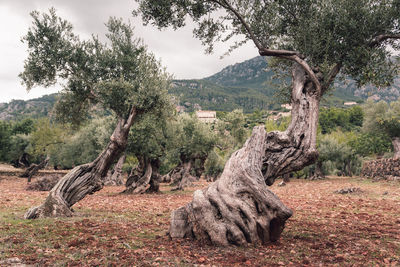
180, 53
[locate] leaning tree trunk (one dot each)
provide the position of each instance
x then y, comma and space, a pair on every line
116, 177
85, 179
34, 169
238, 208
396, 147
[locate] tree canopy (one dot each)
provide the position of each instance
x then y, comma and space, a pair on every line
384, 117
325, 37
117, 74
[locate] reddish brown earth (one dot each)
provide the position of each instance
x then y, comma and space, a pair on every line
327, 229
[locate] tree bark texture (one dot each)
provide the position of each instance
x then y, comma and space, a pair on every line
84, 179
238, 208
116, 177
144, 179
396, 147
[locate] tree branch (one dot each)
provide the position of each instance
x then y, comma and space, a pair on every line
331, 76
131, 118
276, 53
244, 23
383, 37
291, 55
308, 70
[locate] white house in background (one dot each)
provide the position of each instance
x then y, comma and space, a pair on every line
287, 106
206, 116
350, 103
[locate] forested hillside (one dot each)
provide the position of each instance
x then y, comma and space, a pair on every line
35, 108
248, 86
245, 85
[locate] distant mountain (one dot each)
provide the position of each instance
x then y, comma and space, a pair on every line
247, 85
35, 108
242, 85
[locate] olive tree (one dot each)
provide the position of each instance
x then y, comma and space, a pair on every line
319, 39
193, 142
383, 117
120, 76
148, 141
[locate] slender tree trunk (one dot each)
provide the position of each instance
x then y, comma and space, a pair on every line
116, 177
85, 179
396, 147
238, 208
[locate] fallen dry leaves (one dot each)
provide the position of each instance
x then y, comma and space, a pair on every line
109, 229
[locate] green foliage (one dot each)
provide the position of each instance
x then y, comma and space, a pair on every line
346, 119
46, 138
192, 139
149, 138
367, 144
278, 125
5, 135
214, 164
14, 139
383, 117
84, 145
337, 155
325, 33
234, 123
24, 126
19, 145
116, 75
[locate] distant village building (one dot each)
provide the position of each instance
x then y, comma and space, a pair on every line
180, 109
350, 103
206, 116
287, 106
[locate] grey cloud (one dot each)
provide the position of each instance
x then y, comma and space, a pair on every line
182, 54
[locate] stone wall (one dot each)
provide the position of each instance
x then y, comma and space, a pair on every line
382, 169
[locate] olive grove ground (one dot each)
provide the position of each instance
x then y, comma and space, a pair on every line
110, 229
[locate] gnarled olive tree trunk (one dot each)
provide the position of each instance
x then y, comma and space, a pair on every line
182, 177
238, 208
34, 169
116, 177
145, 178
85, 179
318, 173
